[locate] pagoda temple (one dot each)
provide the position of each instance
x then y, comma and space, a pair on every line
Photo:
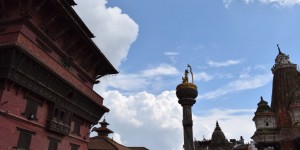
48, 66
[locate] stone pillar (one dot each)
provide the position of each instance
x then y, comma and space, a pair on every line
186, 93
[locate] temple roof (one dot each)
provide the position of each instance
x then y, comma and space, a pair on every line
103, 142
218, 135
263, 106
106, 67
103, 130
281, 59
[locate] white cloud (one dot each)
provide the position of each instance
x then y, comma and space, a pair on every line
117, 137
224, 63
162, 69
200, 46
277, 3
227, 3
281, 2
114, 30
248, 1
152, 78
224, 75
246, 82
172, 55
160, 117
203, 76
122, 81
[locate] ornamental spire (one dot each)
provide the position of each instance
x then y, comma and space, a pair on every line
103, 130
281, 60
279, 51
217, 126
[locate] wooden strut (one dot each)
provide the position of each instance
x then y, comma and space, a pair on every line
62, 31
38, 7
2, 8
71, 42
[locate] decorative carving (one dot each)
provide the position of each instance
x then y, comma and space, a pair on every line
58, 127
24, 71
71, 43
25, 8
67, 62
59, 119
38, 7
52, 17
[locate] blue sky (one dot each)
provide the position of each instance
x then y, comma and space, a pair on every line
230, 44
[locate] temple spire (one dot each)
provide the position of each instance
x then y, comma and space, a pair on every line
217, 126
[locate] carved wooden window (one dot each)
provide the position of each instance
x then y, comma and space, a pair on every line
74, 146
61, 115
31, 109
53, 143
56, 111
76, 129
24, 139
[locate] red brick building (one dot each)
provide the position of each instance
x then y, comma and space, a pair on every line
278, 125
48, 66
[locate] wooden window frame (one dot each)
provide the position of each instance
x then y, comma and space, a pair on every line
53, 142
31, 108
24, 139
77, 126
74, 146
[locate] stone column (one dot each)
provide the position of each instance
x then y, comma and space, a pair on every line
186, 93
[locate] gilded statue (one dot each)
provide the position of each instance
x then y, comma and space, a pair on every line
185, 79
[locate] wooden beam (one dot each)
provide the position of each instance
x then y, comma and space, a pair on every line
47, 22
89, 62
75, 38
2, 9
76, 58
25, 9
75, 54
39, 6
28, 7
93, 66
62, 31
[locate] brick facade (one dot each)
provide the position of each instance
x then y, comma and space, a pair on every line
48, 66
